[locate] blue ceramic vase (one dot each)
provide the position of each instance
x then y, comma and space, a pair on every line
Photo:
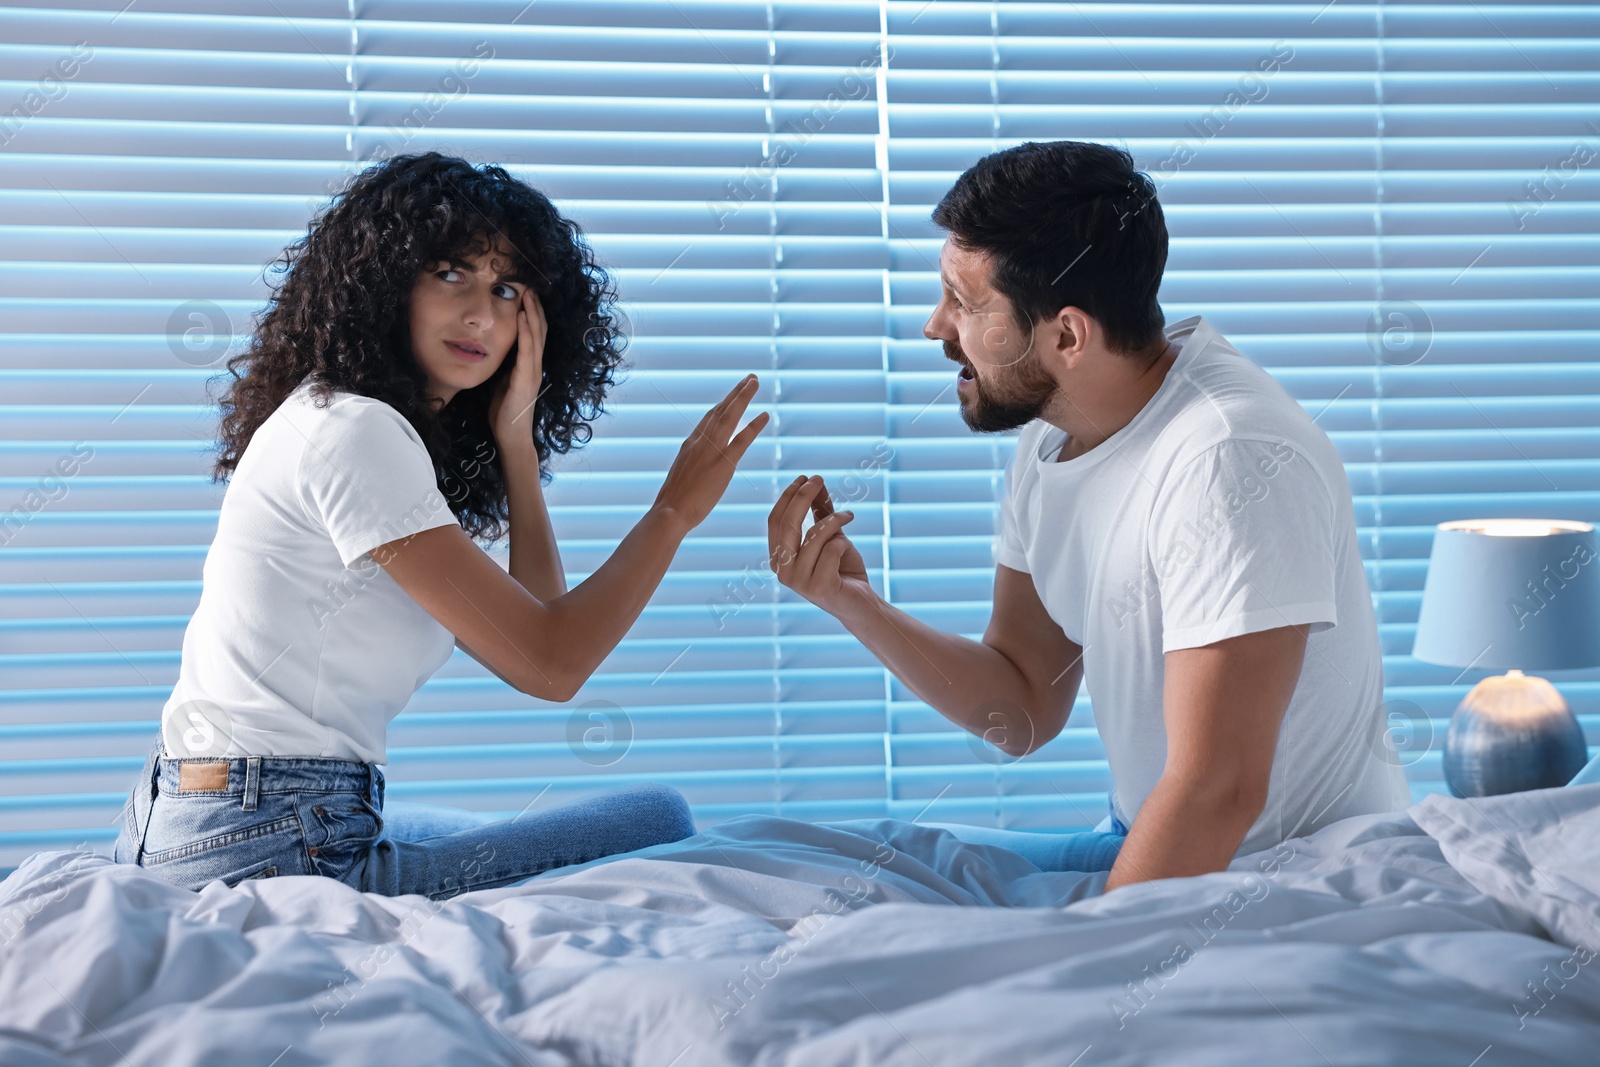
1512, 732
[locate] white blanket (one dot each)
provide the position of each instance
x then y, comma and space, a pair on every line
1457, 933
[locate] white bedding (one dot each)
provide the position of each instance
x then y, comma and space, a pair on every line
1415, 938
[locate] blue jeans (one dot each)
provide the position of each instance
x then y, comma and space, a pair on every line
1088, 850
191, 822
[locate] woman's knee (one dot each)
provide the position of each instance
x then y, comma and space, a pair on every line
664, 810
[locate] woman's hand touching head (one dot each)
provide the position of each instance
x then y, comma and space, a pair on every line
511, 412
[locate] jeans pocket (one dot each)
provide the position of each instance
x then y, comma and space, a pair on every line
265, 869
277, 845
340, 832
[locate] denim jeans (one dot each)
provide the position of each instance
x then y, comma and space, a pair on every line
1087, 850
191, 822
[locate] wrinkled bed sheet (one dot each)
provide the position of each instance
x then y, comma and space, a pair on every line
1458, 933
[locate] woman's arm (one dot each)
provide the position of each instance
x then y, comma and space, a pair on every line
535, 558
549, 648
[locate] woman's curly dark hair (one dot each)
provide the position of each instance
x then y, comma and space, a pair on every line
342, 315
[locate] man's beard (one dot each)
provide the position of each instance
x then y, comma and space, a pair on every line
1025, 389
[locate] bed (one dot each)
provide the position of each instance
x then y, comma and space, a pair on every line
1459, 933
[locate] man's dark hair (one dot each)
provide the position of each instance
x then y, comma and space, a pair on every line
1066, 223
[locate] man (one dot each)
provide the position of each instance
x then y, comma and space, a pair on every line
1175, 528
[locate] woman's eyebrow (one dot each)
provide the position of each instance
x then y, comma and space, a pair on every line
510, 276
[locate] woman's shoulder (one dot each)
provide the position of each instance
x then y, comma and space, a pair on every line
342, 412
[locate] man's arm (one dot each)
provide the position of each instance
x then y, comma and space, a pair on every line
1223, 704
1015, 688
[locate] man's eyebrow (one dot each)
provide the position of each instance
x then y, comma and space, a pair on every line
952, 287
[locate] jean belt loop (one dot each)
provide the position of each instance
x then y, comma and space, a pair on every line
252, 782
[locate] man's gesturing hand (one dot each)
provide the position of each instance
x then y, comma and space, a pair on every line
822, 566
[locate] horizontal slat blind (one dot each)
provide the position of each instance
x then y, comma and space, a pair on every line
1489, 227
155, 160
1392, 207
759, 180
724, 160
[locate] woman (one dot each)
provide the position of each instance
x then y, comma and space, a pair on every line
441, 333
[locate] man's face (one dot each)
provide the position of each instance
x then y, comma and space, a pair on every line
1002, 383
468, 303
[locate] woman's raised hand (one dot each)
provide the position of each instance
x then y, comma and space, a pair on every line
707, 457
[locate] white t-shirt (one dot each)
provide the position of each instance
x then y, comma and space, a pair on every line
1220, 509
301, 644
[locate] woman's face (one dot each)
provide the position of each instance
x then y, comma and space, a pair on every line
463, 321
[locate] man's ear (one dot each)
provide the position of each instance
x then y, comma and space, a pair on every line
1069, 334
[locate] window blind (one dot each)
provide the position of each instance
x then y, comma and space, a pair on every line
1391, 207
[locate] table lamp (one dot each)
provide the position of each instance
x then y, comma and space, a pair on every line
1512, 595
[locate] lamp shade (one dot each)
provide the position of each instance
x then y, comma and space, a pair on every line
1511, 594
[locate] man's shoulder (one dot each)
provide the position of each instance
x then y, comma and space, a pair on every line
1237, 407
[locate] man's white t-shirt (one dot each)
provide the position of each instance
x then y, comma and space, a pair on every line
302, 645
1219, 510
